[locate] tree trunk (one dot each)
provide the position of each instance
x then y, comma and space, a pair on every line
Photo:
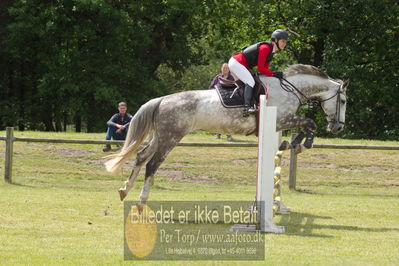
78, 123
92, 114
47, 117
58, 125
318, 52
21, 97
65, 121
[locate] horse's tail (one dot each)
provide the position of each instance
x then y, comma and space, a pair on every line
141, 126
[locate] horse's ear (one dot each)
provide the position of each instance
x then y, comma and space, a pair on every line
345, 85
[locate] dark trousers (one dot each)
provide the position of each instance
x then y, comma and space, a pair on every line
111, 133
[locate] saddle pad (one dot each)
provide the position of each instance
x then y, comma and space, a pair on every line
224, 95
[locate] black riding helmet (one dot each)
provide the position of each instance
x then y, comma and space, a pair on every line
279, 35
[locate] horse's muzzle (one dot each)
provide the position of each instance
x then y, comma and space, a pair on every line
335, 127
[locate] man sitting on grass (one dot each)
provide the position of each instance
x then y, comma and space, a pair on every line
118, 125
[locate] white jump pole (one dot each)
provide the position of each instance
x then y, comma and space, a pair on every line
268, 145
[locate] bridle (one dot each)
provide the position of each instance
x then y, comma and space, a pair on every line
337, 105
289, 87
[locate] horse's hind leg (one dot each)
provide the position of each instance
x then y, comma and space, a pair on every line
153, 165
142, 158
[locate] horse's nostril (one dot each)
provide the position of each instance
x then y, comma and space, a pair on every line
339, 128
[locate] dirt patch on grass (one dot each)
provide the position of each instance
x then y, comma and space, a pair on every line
307, 191
178, 164
172, 175
240, 162
71, 152
320, 156
373, 168
202, 179
100, 161
316, 165
177, 175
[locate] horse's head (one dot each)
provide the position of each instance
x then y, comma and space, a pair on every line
312, 84
333, 103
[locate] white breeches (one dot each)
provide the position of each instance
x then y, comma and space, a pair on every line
241, 72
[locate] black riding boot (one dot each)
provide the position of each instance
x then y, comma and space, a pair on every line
248, 109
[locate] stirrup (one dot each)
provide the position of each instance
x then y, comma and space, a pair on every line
252, 110
248, 110
234, 92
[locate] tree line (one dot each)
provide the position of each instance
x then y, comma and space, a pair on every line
69, 62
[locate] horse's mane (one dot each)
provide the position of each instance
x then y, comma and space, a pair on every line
304, 69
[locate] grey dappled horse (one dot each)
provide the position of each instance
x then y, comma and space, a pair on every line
166, 120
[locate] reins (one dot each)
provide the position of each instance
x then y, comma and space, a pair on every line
289, 87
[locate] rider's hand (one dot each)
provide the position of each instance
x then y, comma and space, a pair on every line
278, 74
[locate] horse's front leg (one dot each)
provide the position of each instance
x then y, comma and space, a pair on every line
298, 139
309, 140
307, 127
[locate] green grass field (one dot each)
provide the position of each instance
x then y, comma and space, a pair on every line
63, 207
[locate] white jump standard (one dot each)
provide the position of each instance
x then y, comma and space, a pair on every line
265, 183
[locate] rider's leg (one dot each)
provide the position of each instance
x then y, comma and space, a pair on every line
248, 92
242, 73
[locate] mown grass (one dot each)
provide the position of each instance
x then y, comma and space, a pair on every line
63, 207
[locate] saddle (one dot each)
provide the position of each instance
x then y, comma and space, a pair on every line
231, 93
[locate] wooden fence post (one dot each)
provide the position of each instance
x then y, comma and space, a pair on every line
9, 154
293, 167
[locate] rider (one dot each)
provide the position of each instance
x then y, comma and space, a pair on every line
259, 54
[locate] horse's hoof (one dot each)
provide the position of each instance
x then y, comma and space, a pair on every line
309, 141
308, 144
299, 148
122, 193
140, 207
285, 145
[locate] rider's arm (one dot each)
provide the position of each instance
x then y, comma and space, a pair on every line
263, 66
129, 118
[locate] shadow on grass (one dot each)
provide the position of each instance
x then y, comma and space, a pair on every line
304, 224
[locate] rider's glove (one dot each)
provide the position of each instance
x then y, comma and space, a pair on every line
278, 74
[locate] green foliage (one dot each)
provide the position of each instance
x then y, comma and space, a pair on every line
355, 40
71, 61
370, 61
195, 77
79, 58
